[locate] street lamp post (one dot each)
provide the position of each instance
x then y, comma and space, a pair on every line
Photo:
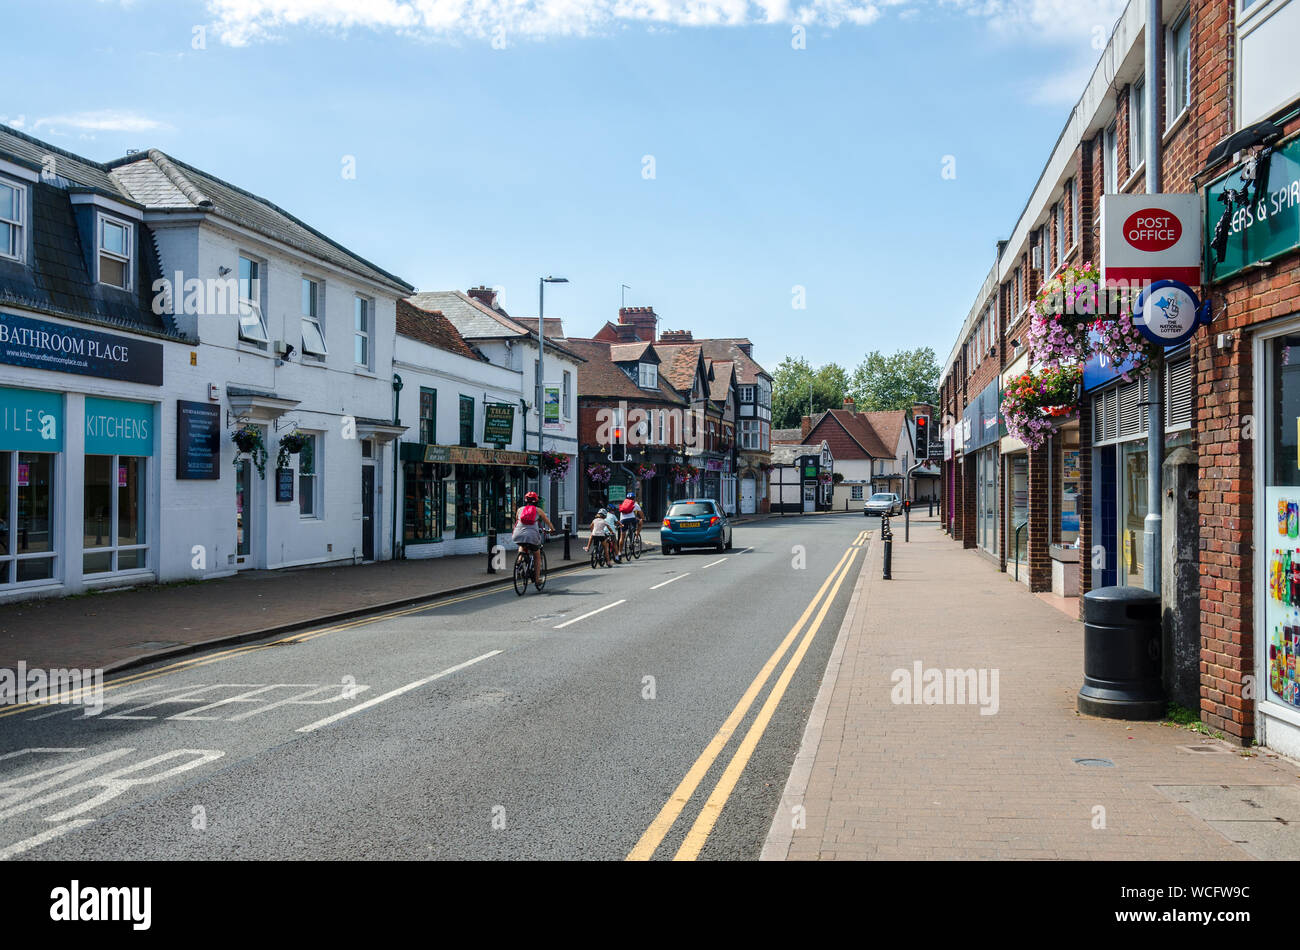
541, 360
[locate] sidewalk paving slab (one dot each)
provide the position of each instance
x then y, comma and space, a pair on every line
876, 780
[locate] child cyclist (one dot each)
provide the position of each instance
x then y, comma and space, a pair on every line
599, 530
611, 534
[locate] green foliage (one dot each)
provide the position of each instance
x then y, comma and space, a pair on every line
898, 381
790, 390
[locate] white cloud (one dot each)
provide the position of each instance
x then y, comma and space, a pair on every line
13, 121
103, 120
241, 22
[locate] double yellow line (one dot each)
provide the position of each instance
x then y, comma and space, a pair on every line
293, 638
681, 796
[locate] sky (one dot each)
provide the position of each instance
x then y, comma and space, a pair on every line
729, 160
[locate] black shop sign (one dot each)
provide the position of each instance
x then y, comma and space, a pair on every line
70, 349
198, 440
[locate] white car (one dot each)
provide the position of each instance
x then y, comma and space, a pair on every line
884, 504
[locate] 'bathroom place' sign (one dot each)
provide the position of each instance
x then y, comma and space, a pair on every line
70, 349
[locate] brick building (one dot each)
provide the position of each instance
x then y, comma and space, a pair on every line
1226, 96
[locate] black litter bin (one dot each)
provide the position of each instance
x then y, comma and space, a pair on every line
1121, 654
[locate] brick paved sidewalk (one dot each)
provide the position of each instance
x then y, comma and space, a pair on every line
115, 628
880, 780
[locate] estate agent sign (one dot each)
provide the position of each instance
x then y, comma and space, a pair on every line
71, 349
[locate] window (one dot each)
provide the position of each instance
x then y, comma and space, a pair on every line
309, 478
428, 415
746, 393
750, 434
252, 326
855, 492
12, 242
566, 393
1076, 212
1015, 291
1109, 159
1047, 242
361, 326
648, 376
663, 413
1060, 228
1137, 124
27, 539
467, 420
113, 514
114, 252
1178, 46
313, 338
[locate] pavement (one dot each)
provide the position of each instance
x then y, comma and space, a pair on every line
618, 711
877, 777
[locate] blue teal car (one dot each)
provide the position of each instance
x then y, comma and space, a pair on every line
695, 523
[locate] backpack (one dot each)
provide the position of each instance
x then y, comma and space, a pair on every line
528, 514
627, 506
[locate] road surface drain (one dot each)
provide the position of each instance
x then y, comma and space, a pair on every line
1096, 763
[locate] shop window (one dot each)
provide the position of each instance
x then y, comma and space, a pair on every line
428, 415
1279, 529
309, 502
27, 542
467, 421
424, 498
113, 514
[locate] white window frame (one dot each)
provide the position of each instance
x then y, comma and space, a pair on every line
1253, 16
1137, 129
314, 319
566, 394
647, 376
1046, 241
365, 333
1171, 71
127, 260
1060, 228
746, 393
253, 302
317, 495
663, 415
1110, 159
19, 224
1076, 212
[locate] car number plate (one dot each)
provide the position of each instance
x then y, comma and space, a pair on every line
688, 524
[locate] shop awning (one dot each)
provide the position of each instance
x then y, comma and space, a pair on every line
467, 455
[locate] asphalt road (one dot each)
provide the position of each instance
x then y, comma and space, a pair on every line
487, 726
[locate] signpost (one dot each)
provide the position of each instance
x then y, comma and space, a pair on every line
498, 423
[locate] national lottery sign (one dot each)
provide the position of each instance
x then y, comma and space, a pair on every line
1168, 313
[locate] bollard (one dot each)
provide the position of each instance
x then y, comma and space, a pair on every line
567, 534
492, 543
889, 559
931, 512
907, 523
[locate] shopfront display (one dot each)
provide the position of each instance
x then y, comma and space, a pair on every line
31, 445
119, 443
462, 492
1279, 527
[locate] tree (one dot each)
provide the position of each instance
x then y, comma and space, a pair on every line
898, 381
790, 390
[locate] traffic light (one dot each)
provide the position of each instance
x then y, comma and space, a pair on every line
618, 451
922, 437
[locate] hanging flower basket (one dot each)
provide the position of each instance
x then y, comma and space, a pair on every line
1074, 317
556, 464
684, 473
837, 477
825, 478
1034, 404
248, 440
290, 444
598, 474
645, 472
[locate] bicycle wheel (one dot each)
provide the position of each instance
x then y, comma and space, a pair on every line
541, 576
637, 546
523, 570
595, 556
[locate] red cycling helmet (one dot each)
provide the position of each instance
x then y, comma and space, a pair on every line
531, 497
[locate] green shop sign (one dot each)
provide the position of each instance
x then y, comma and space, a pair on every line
118, 427
617, 493
498, 422
1267, 224
31, 421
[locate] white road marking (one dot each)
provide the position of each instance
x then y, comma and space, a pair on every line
670, 580
397, 692
718, 561
560, 626
37, 840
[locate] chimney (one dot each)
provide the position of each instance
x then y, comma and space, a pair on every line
626, 333
484, 295
642, 319
676, 336
849, 404
805, 427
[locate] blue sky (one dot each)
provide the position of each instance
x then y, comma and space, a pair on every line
774, 167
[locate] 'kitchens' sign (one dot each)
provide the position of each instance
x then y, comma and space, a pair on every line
71, 349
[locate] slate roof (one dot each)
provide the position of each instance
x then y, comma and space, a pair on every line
601, 377
431, 327
720, 384
786, 454
475, 320
58, 277
160, 181
787, 436
632, 353
554, 325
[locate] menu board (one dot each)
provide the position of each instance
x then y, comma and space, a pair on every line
284, 484
198, 440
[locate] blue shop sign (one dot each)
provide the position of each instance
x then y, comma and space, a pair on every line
118, 427
71, 349
1099, 370
982, 420
31, 421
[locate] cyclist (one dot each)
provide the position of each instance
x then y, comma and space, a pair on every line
629, 513
611, 534
599, 529
528, 532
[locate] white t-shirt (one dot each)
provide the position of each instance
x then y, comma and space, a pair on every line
599, 527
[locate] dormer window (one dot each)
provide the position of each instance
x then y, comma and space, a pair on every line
12, 240
252, 326
648, 375
115, 246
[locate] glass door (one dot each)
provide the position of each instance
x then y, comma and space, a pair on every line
243, 513
1132, 512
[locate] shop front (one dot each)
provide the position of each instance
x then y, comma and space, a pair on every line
982, 428
454, 497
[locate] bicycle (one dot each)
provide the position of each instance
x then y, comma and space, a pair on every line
635, 544
524, 569
599, 556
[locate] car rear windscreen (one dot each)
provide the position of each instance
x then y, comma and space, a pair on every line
880, 497
691, 510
